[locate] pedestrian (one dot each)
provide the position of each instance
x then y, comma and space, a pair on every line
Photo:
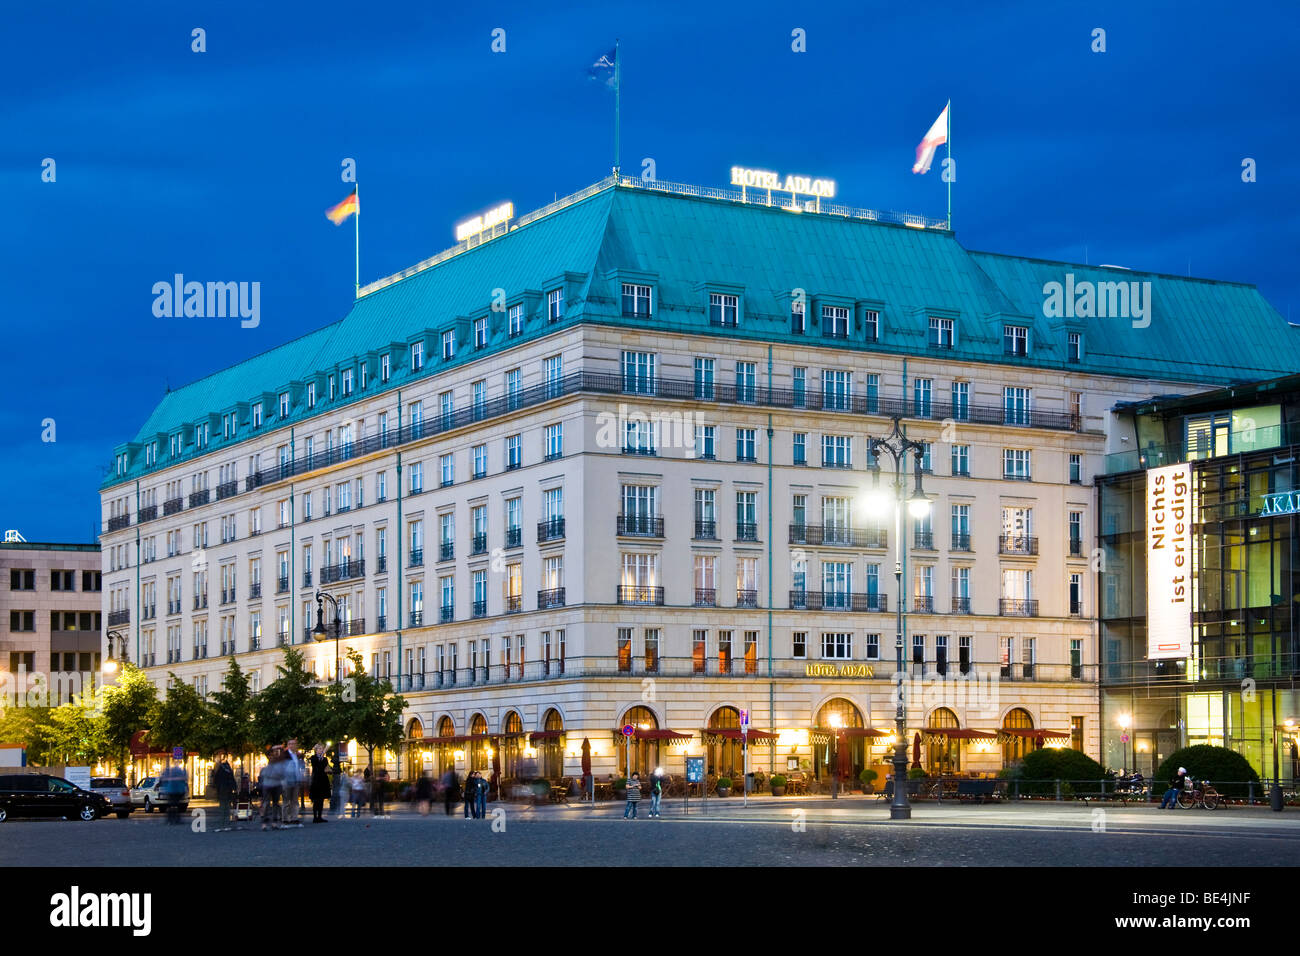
1170, 799
358, 792
172, 785
320, 783
342, 789
633, 796
272, 788
656, 792
223, 782
424, 793
295, 770
244, 801
381, 784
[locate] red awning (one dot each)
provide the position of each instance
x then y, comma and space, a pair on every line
863, 732
461, 739
546, 734
1032, 734
655, 734
732, 733
959, 733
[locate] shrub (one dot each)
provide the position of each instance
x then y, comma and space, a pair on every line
916, 773
868, 776
724, 783
620, 783
778, 780
1042, 768
1226, 769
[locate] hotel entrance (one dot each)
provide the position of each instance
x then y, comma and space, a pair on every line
644, 750
835, 747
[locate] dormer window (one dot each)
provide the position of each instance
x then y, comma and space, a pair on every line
835, 321
332, 393
449, 344
515, 321
555, 305
798, 320
417, 356
1074, 347
480, 332
347, 382
385, 367
311, 394
941, 333
724, 309
636, 300
871, 319
257, 415
1015, 340
365, 375
284, 404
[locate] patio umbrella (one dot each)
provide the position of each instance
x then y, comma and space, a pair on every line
496, 769
916, 751
845, 759
586, 766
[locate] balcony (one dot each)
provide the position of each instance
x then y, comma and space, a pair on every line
118, 522
227, 489
446, 551
446, 614
478, 609
255, 591
343, 571
838, 536
923, 540
961, 605
514, 603
173, 505
148, 612
1076, 547
837, 601
174, 607
923, 604
643, 450
417, 558
255, 481
746, 531
552, 597
417, 619
281, 584
706, 530
550, 529
706, 597
636, 594
199, 498
1017, 607
1076, 609
227, 596
746, 598
200, 652
960, 541
640, 526
381, 623
306, 579
514, 537
282, 639
1017, 544
200, 601
478, 543
119, 617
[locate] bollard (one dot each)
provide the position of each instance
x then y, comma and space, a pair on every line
1250, 793
1275, 797
1058, 791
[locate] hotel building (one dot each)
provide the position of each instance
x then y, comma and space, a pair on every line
603, 465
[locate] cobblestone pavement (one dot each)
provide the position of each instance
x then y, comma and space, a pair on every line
769, 832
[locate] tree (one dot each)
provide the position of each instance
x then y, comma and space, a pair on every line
31, 727
290, 706
128, 706
232, 713
182, 719
365, 709
75, 733
1229, 772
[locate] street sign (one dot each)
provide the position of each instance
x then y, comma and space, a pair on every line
178, 753
1123, 738
744, 721
628, 730
694, 769
77, 776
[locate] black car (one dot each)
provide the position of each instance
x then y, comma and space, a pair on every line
42, 795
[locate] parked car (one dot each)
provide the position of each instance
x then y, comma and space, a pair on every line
116, 790
43, 795
146, 795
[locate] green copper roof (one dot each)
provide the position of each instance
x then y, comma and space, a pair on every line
684, 245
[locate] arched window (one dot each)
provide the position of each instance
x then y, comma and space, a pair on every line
414, 748
845, 754
512, 743
446, 727
445, 753
726, 759
645, 753
1015, 747
550, 749
943, 755
476, 751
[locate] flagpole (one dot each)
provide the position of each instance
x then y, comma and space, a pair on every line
618, 67
356, 239
948, 143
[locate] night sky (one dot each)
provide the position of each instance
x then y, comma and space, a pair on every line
219, 165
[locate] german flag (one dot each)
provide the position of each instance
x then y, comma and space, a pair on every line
348, 207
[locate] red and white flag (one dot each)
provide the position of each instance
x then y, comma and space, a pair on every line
936, 137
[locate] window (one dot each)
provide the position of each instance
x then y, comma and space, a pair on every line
417, 356
837, 645
961, 460
704, 378
961, 401
514, 384
1076, 533
1015, 463
1074, 347
724, 652
1076, 468
385, 367
639, 372
961, 527
479, 455
746, 517
446, 408
871, 319
799, 390
941, 333
330, 381
1015, 340
699, 651
554, 441
347, 379
417, 477
514, 452
625, 649
449, 344
746, 442
446, 470
365, 374
873, 392
64, 580
1015, 405
800, 448
837, 390
636, 300
639, 436
1076, 604
381, 486
553, 375
652, 650
835, 321
480, 332
515, 321
724, 309
799, 644
837, 451
704, 441
555, 305
797, 324
1076, 408
922, 389
23, 580
873, 647
745, 379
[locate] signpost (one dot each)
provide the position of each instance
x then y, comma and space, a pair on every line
178, 753
628, 731
744, 752
694, 774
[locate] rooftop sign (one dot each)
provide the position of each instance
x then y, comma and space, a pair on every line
762, 179
493, 217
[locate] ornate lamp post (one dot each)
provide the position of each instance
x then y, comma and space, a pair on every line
897, 446
319, 632
119, 639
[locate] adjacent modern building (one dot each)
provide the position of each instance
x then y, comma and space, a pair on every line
604, 466
52, 601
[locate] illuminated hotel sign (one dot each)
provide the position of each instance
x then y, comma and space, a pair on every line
839, 670
762, 179
1169, 562
493, 217
1283, 503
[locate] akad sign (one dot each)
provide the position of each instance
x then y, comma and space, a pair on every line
1169, 562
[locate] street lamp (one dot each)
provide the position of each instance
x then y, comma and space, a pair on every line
897, 446
1124, 721
110, 662
319, 633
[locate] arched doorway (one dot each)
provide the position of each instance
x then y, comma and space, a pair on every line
476, 750
645, 753
1014, 747
414, 748
550, 748
846, 752
943, 755
726, 758
512, 741
445, 753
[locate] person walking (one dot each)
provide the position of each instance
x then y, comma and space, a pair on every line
1170, 799
480, 795
377, 800
424, 792
223, 781
358, 792
633, 796
320, 783
272, 788
295, 770
172, 785
656, 792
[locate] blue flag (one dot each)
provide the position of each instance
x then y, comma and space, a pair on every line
603, 68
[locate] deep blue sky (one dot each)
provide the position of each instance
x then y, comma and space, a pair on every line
219, 165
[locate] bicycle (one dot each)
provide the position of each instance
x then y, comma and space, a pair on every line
1204, 796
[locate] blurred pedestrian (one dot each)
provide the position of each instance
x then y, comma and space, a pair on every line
481, 788
656, 791
272, 789
381, 785
633, 796
320, 783
424, 792
294, 772
172, 784
358, 792
223, 782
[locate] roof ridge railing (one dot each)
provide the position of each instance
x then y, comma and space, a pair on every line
776, 200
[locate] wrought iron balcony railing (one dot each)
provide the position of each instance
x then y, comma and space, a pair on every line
1017, 607
640, 526
551, 597
706, 597
838, 536
1017, 544
549, 529
838, 601
638, 594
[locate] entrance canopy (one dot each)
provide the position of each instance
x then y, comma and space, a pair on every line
1012, 733
958, 733
653, 733
718, 735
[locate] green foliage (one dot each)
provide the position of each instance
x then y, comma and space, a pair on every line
1226, 769
363, 708
916, 773
128, 706
1042, 768
620, 783
232, 713
73, 734
724, 783
778, 780
30, 726
182, 719
868, 775
290, 706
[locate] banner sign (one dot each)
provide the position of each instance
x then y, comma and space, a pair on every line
1169, 562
